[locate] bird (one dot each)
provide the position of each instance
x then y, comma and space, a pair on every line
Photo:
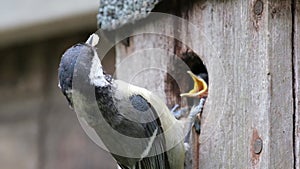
199, 94
200, 88
115, 109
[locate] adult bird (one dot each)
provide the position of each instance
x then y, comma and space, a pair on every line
134, 124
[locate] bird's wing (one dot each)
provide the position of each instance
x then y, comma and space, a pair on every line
122, 166
140, 106
172, 133
155, 155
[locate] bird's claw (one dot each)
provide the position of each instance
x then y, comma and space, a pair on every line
178, 112
196, 114
195, 119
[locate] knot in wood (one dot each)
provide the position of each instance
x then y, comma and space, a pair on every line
258, 7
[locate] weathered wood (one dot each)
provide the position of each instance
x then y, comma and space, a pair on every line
150, 66
247, 48
144, 72
149, 62
296, 81
196, 147
252, 97
281, 84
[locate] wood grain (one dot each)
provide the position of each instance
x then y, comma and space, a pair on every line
247, 48
296, 81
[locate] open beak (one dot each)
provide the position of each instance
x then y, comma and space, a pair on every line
200, 87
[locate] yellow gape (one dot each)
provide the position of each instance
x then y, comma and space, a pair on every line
200, 87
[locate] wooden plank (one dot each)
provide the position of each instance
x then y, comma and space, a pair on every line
253, 40
237, 104
153, 59
281, 74
148, 61
247, 48
297, 80
145, 72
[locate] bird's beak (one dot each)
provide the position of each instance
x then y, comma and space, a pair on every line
200, 87
93, 40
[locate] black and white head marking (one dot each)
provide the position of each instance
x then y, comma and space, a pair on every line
66, 70
84, 59
96, 75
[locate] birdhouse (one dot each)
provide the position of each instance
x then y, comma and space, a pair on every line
250, 50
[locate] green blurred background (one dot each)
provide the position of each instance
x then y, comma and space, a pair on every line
37, 129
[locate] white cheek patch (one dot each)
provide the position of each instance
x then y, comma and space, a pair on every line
96, 75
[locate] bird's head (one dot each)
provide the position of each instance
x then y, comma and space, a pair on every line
82, 61
200, 86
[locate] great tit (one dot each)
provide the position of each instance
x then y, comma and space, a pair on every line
129, 111
199, 91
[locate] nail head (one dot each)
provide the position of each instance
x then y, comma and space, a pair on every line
258, 144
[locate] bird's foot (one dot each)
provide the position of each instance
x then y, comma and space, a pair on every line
195, 119
179, 112
195, 115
